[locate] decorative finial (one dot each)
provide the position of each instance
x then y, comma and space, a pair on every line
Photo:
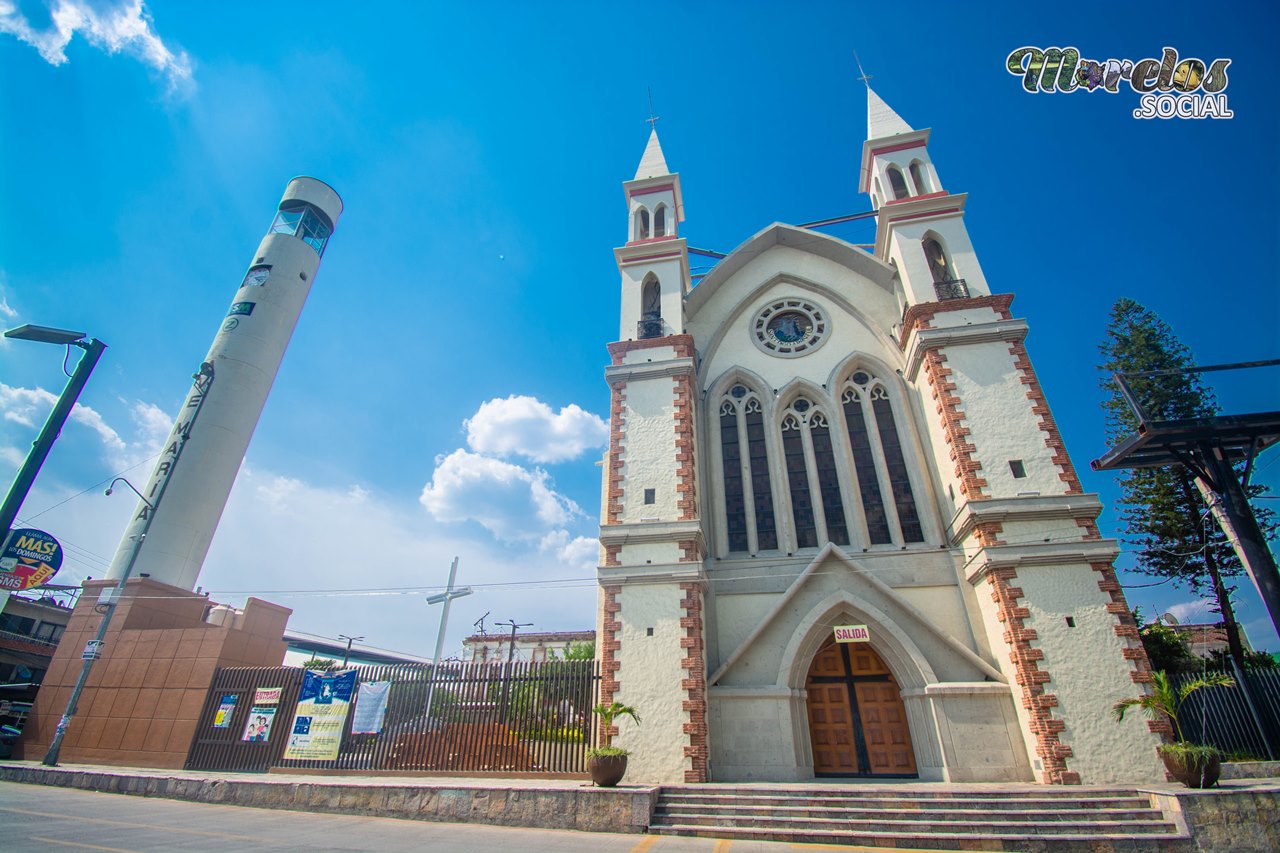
865, 77
652, 119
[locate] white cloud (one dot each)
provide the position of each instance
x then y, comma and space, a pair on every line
1193, 611
120, 27
6, 310
513, 503
528, 427
578, 554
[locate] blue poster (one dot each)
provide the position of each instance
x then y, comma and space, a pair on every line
321, 715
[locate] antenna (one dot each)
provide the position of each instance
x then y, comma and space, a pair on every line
479, 624
864, 76
652, 119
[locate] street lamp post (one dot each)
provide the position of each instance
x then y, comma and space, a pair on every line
347, 656
446, 598
53, 425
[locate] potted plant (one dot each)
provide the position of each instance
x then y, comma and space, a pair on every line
608, 763
1194, 765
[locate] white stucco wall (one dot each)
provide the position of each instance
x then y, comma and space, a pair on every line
650, 676
649, 450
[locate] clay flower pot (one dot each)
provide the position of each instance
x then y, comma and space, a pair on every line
1195, 768
607, 770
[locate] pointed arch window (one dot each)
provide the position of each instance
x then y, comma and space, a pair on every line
919, 178
946, 282
816, 505
650, 308
898, 184
744, 457
642, 223
879, 462
660, 221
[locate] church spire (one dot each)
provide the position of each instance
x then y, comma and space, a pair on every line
882, 121
652, 164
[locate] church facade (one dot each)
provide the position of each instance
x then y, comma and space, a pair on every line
820, 436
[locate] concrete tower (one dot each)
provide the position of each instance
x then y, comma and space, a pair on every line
212, 431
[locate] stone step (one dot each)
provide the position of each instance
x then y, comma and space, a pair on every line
781, 799
670, 811
971, 829
1167, 842
1046, 792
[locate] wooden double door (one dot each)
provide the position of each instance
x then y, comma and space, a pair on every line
857, 721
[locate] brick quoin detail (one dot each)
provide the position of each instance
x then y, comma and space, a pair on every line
610, 645
686, 480
1039, 704
689, 551
612, 554
1053, 438
613, 504
694, 684
963, 453
921, 316
1126, 629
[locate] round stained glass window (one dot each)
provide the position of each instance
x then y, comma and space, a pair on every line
790, 327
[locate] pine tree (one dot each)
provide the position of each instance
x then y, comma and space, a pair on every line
1162, 512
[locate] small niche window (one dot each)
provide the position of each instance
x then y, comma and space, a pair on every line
898, 184
660, 221
650, 495
642, 224
1071, 621
1018, 469
919, 178
304, 221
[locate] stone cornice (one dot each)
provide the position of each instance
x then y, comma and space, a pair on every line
1082, 552
929, 206
618, 374
659, 573
1022, 508
921, 340
633, 532
887, 144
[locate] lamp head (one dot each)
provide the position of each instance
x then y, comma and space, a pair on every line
108, 491
44, 334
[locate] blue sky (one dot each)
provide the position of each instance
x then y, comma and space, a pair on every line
480, 155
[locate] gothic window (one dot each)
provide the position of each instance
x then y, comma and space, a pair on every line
812, 476
918, 177
660, 221
650, 308
876, 446
898, 184
642, 224
744, 456
939, 264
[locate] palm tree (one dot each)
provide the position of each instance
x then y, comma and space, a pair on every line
1165, 700
608, 713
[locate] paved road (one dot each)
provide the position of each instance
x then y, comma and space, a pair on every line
37, 818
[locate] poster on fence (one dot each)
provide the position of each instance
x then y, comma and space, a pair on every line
371, 707
227, 707
258, 726
321, 715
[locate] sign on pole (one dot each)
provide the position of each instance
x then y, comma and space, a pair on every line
31, 558
852, 634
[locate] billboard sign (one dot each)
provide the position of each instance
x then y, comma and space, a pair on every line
31, 558
852, 634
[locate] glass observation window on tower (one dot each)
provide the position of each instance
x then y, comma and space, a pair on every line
304, 221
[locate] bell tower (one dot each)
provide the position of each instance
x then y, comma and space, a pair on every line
651, 580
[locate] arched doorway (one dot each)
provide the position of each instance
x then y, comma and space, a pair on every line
857, 722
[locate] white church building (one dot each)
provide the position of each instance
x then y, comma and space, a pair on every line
821, 435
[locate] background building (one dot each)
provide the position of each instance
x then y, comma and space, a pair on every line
496, 648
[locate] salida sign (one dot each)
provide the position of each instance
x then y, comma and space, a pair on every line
32, 558
852, 634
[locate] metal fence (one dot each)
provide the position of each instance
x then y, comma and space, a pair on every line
484, 718
1220, 716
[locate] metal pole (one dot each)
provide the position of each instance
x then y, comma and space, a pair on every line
44, 442
55, 745
444, 621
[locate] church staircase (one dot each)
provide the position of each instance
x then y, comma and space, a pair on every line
1057, 819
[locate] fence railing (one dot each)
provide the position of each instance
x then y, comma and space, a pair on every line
518, 717
1220, 716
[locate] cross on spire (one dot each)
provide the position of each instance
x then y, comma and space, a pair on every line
652, 119
865, 77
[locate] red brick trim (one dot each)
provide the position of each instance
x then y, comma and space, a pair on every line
1025, 657
1040, 407
689, 551
963, 453
1126, 628
920, 315
617, 429
686, 478
694, 684
682, 344
610, 645
613, 554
